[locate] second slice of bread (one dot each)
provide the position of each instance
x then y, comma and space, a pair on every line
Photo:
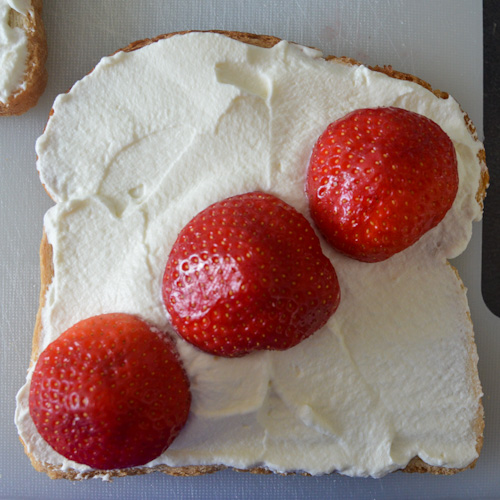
35, 76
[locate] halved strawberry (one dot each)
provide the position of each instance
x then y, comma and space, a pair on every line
246, 274
379, 179
110, 392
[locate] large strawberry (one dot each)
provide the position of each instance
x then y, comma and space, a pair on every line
110, 392
379, 179
246, 274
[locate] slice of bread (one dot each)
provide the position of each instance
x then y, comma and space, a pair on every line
47, 273
35, 76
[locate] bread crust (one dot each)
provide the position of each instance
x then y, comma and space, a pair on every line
35, 77
416, 464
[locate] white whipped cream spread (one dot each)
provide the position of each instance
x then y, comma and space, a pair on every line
150, 138
13, 49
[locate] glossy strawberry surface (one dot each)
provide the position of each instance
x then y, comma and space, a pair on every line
379, 179
110, 392
247, 274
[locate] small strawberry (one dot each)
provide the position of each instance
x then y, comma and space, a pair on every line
110, 392
379, 179
247, 274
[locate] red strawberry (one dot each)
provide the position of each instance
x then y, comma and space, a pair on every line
379, 179
248, 274
110, 392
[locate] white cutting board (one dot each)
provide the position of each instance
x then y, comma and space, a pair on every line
438, 40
